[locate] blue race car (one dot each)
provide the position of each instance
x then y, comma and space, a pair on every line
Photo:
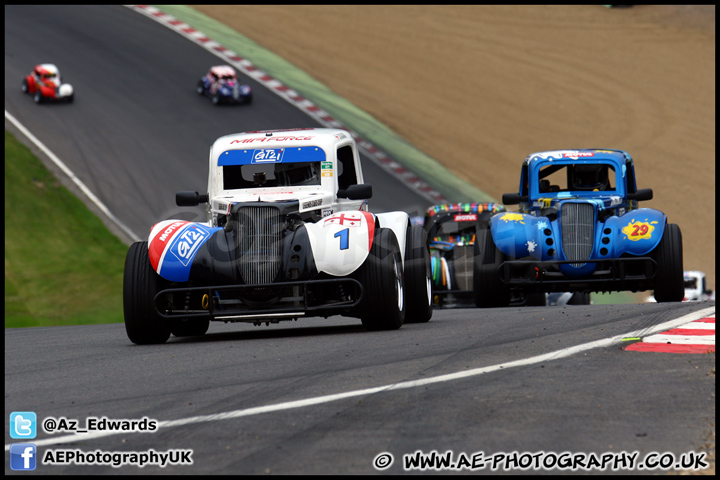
222, 86
578, 229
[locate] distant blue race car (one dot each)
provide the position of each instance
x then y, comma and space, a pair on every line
579, 229
222, 86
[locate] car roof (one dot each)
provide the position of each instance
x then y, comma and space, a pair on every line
591, 155
222, 70
325, 138
47, 68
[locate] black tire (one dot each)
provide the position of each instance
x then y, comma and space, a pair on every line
140, 285
190, 327
71, 98
383, 303
418, 281
535, 300
488, 290
579, 298
24, 85
216, 99
38, 97
200, 89
669, 281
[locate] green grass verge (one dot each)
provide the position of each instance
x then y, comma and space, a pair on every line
62, 265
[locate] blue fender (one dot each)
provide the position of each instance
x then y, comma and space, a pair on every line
637, 232
518, 235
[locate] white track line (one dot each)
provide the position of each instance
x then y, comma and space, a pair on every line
565, 352
72, 176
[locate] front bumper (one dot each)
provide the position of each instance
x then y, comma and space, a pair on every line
261, 303
610, 274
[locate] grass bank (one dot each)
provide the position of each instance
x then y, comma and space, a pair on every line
62, 265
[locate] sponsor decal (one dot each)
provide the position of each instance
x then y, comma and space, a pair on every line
170, 230
326, 165
465, 217
327, 212
268, 155
312, 203
513, 217
188, 242
273, 139
578, 154
639, 230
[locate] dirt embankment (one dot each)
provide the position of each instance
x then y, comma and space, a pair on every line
480, 87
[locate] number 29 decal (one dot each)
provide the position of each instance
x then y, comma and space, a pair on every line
639, 230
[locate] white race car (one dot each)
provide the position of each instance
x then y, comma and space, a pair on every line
288, 235
696, 289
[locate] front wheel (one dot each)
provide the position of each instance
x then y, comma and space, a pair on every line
488, 289
669, 281
24, 85
38, 96
418, 282
200, 88
140, 285
383, 303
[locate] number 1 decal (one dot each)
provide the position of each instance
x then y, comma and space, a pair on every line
343, 234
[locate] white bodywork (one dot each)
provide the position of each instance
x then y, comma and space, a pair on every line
340, 245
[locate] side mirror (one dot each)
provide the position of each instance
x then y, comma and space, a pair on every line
642, 194
513, 198
190, 199
356, 192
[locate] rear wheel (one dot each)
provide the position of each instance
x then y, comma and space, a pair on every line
669, 282
488, 289
418, 284
140, 285
383, 304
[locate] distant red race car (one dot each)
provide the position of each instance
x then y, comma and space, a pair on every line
44, 83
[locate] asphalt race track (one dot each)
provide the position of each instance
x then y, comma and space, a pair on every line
258, 400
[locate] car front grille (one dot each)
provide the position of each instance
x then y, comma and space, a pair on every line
578, 231
259, 243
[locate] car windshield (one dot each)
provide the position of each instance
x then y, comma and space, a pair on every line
580, 177
271, 175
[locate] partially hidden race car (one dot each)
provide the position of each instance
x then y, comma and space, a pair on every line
45, 84
452, 231
579, 229
288, 235
696, 288
223, 87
